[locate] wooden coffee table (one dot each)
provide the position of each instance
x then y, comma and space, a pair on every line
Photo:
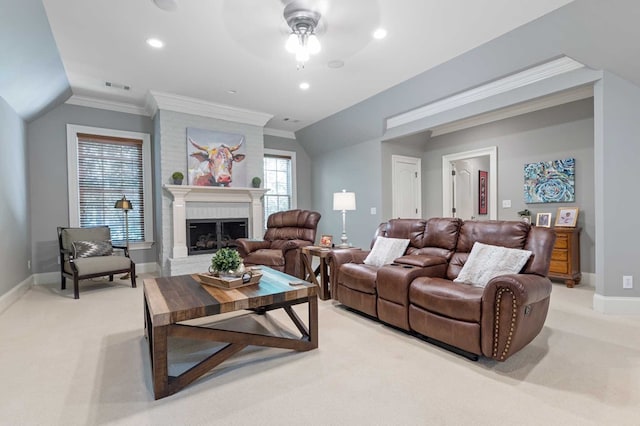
171, 300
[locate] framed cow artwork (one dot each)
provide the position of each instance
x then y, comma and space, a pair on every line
216, 158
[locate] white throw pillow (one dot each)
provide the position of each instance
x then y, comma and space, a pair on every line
385, 250
486, 262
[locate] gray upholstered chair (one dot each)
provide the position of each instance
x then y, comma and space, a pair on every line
88, 253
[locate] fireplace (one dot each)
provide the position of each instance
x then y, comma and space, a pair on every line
209, 235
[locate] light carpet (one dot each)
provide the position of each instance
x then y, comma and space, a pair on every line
85, 362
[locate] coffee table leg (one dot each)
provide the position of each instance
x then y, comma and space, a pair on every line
159, 362
313, 321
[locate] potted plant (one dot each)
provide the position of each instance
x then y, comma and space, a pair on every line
177, 178
255, 182
226, 262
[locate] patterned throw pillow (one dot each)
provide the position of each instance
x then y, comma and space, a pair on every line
385, 250
92, 248
486, 262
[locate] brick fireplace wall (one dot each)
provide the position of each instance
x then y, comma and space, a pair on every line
170, 148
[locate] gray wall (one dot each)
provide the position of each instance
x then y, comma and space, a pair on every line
303, 166
617, 151
555, 133
14, 199
355, 168
48, 192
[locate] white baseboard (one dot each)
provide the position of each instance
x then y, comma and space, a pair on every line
15, 293
147, 268
616, 305
588, 279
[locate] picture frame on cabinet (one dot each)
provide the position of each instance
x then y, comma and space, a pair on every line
567, 217
543, 219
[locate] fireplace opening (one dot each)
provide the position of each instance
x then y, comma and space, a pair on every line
209, 235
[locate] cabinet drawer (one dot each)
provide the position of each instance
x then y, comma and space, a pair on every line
558, 267
562, 242
560, 255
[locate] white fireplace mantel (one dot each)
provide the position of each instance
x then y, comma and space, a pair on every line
182, 194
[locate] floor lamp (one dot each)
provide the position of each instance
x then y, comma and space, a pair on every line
344, 201
125, 205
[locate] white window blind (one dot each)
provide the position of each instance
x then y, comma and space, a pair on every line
278, 179
109, 168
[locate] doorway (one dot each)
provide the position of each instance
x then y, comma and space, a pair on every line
460, 184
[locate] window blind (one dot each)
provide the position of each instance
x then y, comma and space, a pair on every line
109, 168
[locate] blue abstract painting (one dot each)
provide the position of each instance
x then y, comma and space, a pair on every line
550, 181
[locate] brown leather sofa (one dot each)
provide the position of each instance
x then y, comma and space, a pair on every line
416, 293
286, 232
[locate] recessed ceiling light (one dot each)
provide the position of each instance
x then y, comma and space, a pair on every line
304, 85
231, 92
380, 33
336, 63
156, 43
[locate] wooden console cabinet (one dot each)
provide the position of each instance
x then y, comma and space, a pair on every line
565, 258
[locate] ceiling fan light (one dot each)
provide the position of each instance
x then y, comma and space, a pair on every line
292, 43
302, 55
313, 44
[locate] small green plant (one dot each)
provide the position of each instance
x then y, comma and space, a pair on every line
177, 176
255, 182
524, 212
226, 260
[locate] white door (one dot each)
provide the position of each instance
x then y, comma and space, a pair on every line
406, 187
448, 197
463, 190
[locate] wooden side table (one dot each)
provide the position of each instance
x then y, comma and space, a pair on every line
322, 271
565, 258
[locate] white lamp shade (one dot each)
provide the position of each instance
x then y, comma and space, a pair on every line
344, 200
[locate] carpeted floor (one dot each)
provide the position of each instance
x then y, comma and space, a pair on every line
84, 362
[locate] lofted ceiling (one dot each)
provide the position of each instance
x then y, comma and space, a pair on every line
231, 52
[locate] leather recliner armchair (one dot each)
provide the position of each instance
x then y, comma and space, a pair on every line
286, 233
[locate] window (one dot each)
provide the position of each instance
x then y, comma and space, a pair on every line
105, 165
279, 178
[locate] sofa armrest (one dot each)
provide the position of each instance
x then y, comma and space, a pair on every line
338, 257
246, 246
295, 244
514, 308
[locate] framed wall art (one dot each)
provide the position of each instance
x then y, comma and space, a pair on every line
215, 158
550, 181
483, 177
567, 216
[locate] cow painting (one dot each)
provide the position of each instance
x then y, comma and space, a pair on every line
216, 163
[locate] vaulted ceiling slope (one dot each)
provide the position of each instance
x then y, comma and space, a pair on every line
602, 35
32, 77
231, 52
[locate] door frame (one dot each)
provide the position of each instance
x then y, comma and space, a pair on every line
492, 152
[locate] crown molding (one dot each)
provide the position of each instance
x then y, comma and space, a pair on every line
279, 133
529, 76
167, 101
571, 95
90, 102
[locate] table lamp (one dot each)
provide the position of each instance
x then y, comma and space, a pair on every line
344, 201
